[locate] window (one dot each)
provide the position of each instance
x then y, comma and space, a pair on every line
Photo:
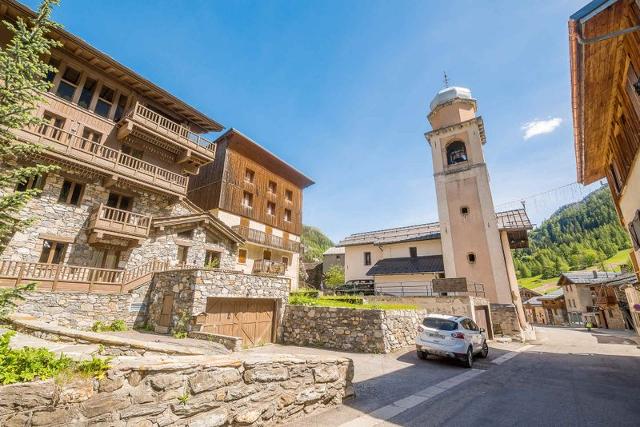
464, 210
71, 192
247, 200
68, 83
242, 256
249, 175
287, 215
367, 258
413, 252
105, 101
212, 259
610, 312
52, 126
440, 324
285, 260
456, 153
51, 74
133, 152
86, 95
271, 208
118, 201
53, 252
617, 180
266, 255
183, 252
186, 234
288, 196
471, 257
91, 137
32, 183
272, 187
120, 107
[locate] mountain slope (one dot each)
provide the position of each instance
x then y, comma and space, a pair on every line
576, 236
315, 242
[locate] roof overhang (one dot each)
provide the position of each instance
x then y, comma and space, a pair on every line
204, 219
594, 64
82, 50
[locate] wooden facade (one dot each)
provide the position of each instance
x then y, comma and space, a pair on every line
243, 170
604, 41
104, 120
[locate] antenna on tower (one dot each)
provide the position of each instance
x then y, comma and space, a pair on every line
446, 80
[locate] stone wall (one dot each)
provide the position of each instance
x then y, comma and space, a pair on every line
505, 320
69, 223
194, 391
78, 309
191, 288
348, 329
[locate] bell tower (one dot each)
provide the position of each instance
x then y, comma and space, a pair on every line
471, 242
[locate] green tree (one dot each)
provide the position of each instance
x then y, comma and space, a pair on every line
334, 276
23, 79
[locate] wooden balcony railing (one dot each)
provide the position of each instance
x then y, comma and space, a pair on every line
268, 266
119, 221
73, 278
606, 300
107, 159
265, 239
168, 128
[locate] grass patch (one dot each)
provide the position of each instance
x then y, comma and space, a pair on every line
345, 302
115, 326
30, 364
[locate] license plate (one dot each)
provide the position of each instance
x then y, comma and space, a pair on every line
435, 335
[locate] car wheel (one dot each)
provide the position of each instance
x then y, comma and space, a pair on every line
468, 360
422, 355
485, 350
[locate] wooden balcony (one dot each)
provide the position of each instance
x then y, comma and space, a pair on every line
606, 300
110, 223
269, 267
264, 239
155, 128
67, 148
73, 278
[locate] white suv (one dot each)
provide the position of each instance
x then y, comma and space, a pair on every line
451, 336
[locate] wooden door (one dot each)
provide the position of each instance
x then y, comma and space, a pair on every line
167, 309
251, 318
482, 319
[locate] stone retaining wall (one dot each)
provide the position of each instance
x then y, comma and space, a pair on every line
505, 320
229, 342
80, 310
348, 329
194, 391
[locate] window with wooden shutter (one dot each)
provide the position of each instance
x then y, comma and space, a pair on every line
634, 230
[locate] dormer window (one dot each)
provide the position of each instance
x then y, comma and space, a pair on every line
456, 153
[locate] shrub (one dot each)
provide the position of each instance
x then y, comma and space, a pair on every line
351, 299
309, 293
99, 327
334, 276
29, 364
118, 325
115, 326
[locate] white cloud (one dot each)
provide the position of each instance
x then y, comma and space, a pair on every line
540, 127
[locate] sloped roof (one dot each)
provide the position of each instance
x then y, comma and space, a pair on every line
334, 250
533, 301
516, 219
585, 277
558, 293
408, 265
621, 280
205, 219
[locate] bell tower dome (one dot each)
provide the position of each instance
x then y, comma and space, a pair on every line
471, 242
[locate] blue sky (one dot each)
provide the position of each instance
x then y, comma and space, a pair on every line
341, 89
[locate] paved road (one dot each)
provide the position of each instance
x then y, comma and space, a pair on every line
569, 377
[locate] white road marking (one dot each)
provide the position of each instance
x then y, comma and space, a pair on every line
387, 412
500, 360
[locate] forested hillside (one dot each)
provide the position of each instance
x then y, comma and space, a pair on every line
576, 236
315, 243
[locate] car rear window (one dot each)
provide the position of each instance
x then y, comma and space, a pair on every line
441, 324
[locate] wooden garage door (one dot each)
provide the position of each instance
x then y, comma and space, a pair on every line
251, 318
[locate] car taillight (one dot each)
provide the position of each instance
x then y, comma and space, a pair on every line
459, 335
420, 329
